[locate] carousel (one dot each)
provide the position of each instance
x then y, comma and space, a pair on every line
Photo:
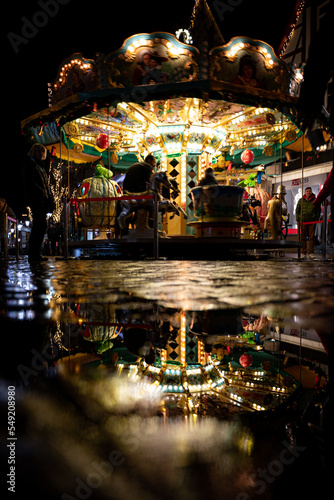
229, 108
186, 363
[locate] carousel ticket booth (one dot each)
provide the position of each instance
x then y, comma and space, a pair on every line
230, 110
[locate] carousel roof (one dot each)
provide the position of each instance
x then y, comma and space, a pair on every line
158, 95
240, 384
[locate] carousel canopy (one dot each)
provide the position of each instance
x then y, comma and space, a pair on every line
158, 95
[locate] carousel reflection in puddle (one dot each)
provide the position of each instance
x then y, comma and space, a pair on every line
201, 337
189, 362
163, 379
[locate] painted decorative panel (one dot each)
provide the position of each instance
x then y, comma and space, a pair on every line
151, 59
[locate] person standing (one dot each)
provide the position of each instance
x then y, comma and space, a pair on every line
52, 237
325, 191
38, 197
306, 213
5, 211
318, 73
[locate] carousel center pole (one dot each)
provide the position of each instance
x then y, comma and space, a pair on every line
324, 231
281, 204
300, 223
156, 226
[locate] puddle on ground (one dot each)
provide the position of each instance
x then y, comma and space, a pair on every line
165, 379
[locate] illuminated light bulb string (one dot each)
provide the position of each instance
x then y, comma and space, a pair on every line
67, 67
58, 190
293, 26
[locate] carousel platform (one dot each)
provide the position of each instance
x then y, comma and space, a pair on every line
180, 247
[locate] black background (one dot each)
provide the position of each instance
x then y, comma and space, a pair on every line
101, 26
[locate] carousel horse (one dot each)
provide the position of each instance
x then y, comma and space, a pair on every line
277, 207
274, 218
165, 189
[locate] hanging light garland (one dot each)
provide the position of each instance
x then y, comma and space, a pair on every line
185, 34
293, 27
82, 65
58, 191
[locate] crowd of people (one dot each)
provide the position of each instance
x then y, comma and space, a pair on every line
45, 237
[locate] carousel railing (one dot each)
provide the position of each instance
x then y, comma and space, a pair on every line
153, 197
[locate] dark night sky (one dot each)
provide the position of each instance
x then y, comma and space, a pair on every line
89, 27
83, 27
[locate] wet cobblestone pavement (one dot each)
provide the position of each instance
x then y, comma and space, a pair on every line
82, 430
283, 287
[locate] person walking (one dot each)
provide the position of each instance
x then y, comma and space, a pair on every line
38, 197
306, 213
